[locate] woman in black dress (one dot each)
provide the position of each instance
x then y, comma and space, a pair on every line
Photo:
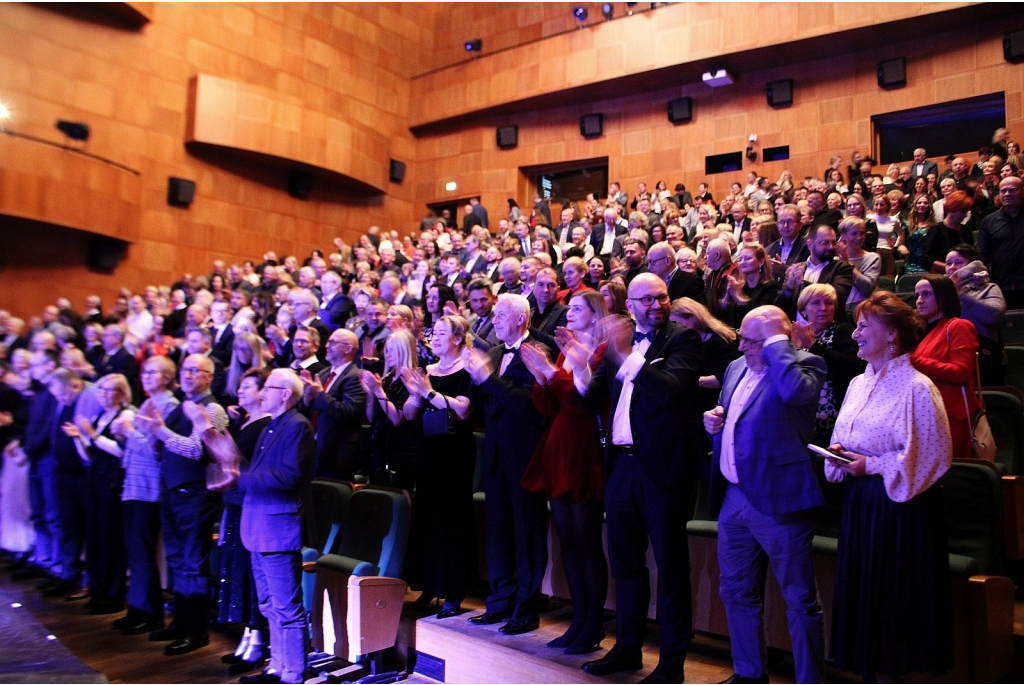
718, 347
394, 441
752, 287
444, 488
236, 592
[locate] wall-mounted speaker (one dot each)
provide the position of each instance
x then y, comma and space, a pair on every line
507, 137
892, 73
397, 171
591, 125
300, 184
1013, 46
780, 93
104, 254
180, 191
680, 111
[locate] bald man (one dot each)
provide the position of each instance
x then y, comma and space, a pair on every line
661, 261
336, 404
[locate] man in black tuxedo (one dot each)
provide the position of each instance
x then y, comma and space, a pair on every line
661, 261
220, 329
650, 379
821, 267
116, 359
517, 519
337, 406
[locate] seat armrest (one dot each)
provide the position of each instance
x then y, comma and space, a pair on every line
991, 600
374, 613
1013, 517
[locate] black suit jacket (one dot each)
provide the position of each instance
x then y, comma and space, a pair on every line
799, 253
551, 319
223, 348
664, 412
124, 363
339, 413
837, 274
683, 284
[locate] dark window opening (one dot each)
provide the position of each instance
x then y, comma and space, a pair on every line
776, 154
719, 164
947, 128
574, 184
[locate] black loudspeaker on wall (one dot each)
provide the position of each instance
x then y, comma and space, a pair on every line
300, 184
680, 111
892, 73
104, 254
1013, 46
591, 125
780, 93
507, 136
180, 191
397, 171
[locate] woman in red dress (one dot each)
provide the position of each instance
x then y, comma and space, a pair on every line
567, 467
948, 355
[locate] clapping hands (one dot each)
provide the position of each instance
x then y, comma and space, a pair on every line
536, 360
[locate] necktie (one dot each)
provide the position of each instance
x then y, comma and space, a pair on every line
478, 324
315, 414
638, 336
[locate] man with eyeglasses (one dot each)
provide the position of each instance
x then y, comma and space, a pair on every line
791, 248
661, 261
764, 492
188, 508
271, 528
1001, 242
649, 376
337, 405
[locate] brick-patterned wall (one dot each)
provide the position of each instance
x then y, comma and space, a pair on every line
834, 101
350, 61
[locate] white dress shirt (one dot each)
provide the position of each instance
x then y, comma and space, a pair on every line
506, 358
622, 430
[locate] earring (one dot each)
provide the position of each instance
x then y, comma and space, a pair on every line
892, 349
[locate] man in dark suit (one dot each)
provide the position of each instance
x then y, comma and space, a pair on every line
337, 406
271, 529
480, 211
481, 301
305, 307
116, 359
650, 379
821, 267
222, 333
470, 219
739, 220
305, 345
822, 214
791, 248
764, 492
921, 166
336, 307
188, 509
200, 341
634, 255
617, 195
517, 519
562, 233
475, 260
661, 261
549, 313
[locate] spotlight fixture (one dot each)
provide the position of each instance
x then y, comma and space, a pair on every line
580, 12
608, 10
475, 45
630, 6
74, 130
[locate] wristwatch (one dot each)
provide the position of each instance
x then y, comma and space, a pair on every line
431, 395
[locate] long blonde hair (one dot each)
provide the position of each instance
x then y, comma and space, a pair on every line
403, 346
704, 321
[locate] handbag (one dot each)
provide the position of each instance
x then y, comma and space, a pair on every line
983, 443
225, 460
438, 423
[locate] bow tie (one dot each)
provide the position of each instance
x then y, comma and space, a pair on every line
638, 336
511, 349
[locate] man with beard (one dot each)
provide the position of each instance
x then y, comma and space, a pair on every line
634, 254
821, 267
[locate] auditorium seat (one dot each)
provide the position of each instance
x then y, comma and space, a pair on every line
324, 520
1006, 419
887, 283
372, 543
1013, 373
906, 282
1012, 328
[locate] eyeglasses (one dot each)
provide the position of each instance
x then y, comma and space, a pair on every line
750, 341
106, 390
648, 300
275, 387
193, 372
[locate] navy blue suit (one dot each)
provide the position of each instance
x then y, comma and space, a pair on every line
334, 313
337, 414
765, 517
275, 486
517, 550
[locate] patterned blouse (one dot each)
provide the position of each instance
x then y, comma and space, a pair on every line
896, 418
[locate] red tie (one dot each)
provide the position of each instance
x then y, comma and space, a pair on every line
316, 414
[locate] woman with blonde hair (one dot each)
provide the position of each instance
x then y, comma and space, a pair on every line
718, 346
246, 353
393, 440
399, 318
751, 287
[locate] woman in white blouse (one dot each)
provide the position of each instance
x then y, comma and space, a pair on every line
892, 612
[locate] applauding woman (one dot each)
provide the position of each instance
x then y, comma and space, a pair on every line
444, 488
566, 467
891, 609
394, 442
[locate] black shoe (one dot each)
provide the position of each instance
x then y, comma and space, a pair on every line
450, 612
518, 626
264, 677
737, 678
106, 606
231, 658
664, 674
30, 572
189, 643
60, 588
143, 625
614, 661
171, 632
128, 619
566, 638
585, 645
243, 666
80, 593
489, 619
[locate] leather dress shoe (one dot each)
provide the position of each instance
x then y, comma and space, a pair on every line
737, 678
450, 612
143, 625
488, 619
189, 643
48, 582
264, 677
171, 632
614, 661
518, 626
664, 674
